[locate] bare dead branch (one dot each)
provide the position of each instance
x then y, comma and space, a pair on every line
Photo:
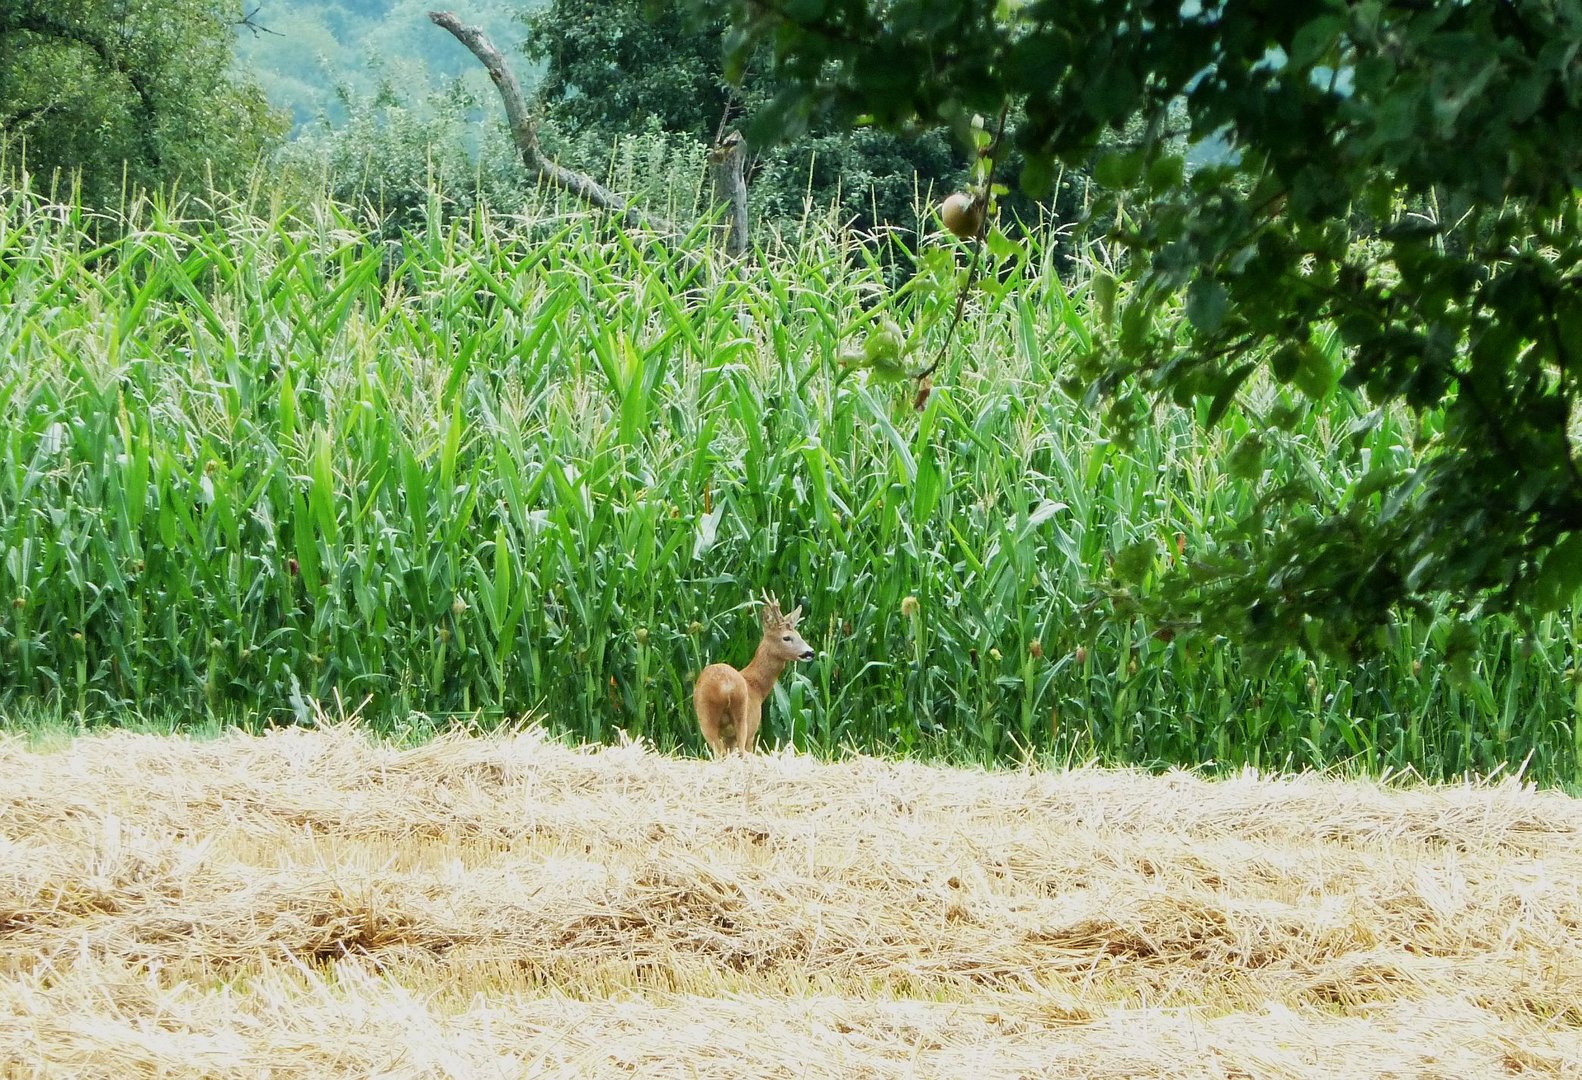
524, 132
726, 162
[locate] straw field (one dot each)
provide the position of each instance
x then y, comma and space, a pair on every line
315, 903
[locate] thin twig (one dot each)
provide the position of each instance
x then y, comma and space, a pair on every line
247, 23
977, 252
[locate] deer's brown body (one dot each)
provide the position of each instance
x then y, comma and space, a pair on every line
730, 702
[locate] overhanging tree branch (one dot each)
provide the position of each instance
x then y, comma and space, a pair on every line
44, 26
525, 133
23, 117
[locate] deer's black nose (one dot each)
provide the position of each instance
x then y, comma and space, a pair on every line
808, 655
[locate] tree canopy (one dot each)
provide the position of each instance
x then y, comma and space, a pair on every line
1393, 210
93, 86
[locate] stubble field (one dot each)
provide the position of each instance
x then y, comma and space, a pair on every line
314, 903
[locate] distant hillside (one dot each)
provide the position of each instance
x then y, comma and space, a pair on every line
319, 47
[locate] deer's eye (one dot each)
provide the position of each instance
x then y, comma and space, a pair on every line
786, 638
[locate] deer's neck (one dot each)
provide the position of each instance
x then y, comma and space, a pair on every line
763, 671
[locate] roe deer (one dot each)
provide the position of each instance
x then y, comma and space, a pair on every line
730, 702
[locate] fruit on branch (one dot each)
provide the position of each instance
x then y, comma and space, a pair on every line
962, 214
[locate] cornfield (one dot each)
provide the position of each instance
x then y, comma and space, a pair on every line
253, 455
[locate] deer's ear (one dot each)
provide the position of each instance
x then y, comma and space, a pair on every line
796, 613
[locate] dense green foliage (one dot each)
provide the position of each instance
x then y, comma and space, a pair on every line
377, 126
547, 466
128, 95
619, 67
1402, 174
394, 155
392, 152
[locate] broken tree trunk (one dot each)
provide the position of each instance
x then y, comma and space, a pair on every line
525, 134
730, 190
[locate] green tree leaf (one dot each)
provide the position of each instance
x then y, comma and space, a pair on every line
1205, 305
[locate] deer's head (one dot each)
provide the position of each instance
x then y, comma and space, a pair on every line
780, 631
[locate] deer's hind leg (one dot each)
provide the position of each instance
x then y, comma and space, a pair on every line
747, 713
712, 704
715, 740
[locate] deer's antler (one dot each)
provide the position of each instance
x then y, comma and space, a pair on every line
770, 613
